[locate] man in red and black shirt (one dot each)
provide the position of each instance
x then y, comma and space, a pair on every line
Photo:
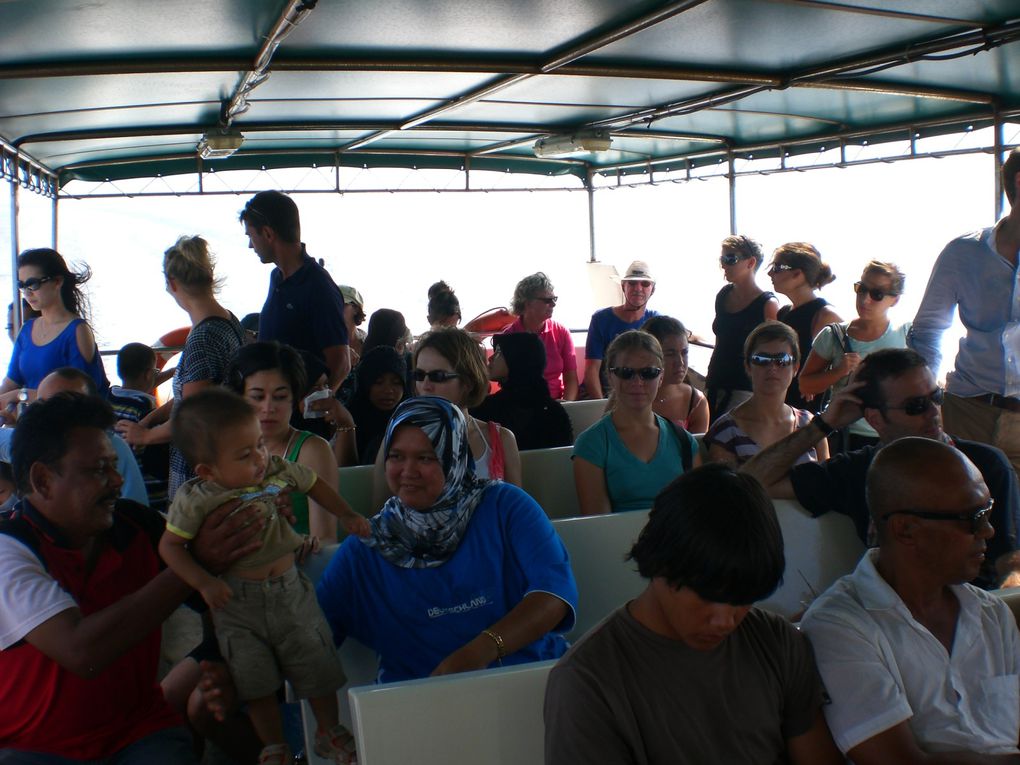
83, 599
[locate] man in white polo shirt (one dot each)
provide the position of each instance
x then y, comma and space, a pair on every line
920, 666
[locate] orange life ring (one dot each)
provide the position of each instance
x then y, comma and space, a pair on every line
173, 340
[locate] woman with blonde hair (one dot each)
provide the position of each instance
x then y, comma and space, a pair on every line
215, 336
623, 460
798, 272
839, 348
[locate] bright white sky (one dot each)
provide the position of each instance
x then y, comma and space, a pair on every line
393, 246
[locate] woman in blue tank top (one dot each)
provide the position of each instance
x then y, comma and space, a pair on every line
60, 337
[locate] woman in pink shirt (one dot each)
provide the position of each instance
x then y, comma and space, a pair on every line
533, 304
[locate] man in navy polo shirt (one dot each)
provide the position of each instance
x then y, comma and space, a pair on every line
304, 308
84, 596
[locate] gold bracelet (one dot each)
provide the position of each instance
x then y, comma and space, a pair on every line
498, 640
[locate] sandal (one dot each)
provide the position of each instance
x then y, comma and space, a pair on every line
276, 754
337, 745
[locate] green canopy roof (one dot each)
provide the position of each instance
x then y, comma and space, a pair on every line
126, 88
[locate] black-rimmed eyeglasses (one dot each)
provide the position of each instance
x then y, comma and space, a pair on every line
434, 375
976, 518
33, 284
912, 407
645, 373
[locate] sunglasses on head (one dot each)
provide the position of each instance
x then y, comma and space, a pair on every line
921, 404
976, 518
645, 373
874, 294
770, 359
731, 259
780, 268
435, 376
31, 285
549, 300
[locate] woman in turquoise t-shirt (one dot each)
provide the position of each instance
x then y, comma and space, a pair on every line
626, 458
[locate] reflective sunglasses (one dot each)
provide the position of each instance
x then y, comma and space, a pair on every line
435, 376
875, 295
548, 301
780, 268
770, 359
645, 373
33, 284
730, 259
921, 404
976, 518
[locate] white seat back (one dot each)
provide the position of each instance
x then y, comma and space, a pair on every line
818, 552
356, 487
548, 476
493, 717
597, 546
584, 414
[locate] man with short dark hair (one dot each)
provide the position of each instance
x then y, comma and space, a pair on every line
978, 274
83, 599
638, 286
689, 671
304, 308
920, 666
895, 392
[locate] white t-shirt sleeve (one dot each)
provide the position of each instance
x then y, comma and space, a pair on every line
29, 595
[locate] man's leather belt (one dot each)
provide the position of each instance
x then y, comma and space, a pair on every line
1000, 402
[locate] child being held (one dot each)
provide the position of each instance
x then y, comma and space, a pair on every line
267, 619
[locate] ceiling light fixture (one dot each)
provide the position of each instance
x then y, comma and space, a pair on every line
219, 143
586, 141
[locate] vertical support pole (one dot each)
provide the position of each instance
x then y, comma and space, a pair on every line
732, 176
997, 131
16, 300
590, 185
55, 228
198, 169
467, 172
336, 172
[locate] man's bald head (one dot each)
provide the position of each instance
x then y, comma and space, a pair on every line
66, 380
916, 473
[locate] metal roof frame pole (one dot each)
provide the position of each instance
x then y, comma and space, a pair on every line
590, 187
16, 300
54, 227
999, 151
732, 178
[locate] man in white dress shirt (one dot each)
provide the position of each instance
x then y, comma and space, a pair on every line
920, 666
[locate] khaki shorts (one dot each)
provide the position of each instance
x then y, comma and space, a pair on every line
273, 630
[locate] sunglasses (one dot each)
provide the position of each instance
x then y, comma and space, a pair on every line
770, 359
780, 268
976, 518
549, 300
645, 373
638, 282
921, 404
730, 259
435, 376
874, 294
33, 284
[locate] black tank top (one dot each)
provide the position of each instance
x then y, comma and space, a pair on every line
802, 318
726, 367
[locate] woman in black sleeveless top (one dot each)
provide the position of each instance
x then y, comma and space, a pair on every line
740, 306
797, 271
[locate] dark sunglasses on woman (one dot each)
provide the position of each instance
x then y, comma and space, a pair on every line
645, 373
779, 268
435, 376
770, 359
874, 294
33, 284
730, 259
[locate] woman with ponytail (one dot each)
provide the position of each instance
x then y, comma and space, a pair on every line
215, 336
